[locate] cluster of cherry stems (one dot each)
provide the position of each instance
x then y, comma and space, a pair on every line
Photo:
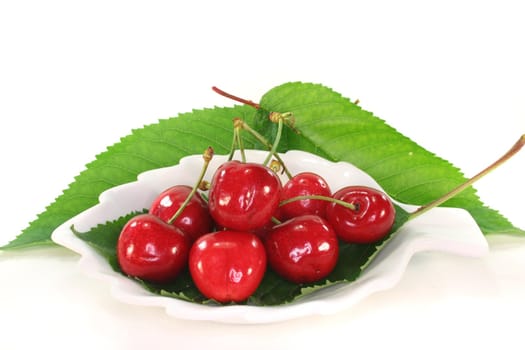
249, 220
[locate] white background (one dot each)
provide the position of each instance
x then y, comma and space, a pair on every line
75, 76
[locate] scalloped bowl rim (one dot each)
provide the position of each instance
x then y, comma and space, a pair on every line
441, 229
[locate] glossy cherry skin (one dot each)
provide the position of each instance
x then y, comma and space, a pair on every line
303, 249
152, 250
195, 219
372, 219
227, 266
305, 184
243, 196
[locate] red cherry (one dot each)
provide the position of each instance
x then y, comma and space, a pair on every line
243, 196
371, 219
305, 184
303, 249
195, 219
150, 249
227, 265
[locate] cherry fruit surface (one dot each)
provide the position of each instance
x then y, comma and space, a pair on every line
370, 220
151, 249
303, 249
243, 196
195, 219
227, 266
305, 184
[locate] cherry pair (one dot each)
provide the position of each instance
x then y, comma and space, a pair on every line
155, 246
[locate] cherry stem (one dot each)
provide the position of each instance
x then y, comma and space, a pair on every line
273, 149
234, 143
236, 98
207, 156
265, 142
511, 152
237, 139
240, 144
350, 206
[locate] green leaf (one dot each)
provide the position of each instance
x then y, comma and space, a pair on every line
153, 146
333, 127
273, 290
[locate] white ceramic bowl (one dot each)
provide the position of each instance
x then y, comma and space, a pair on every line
441, 229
